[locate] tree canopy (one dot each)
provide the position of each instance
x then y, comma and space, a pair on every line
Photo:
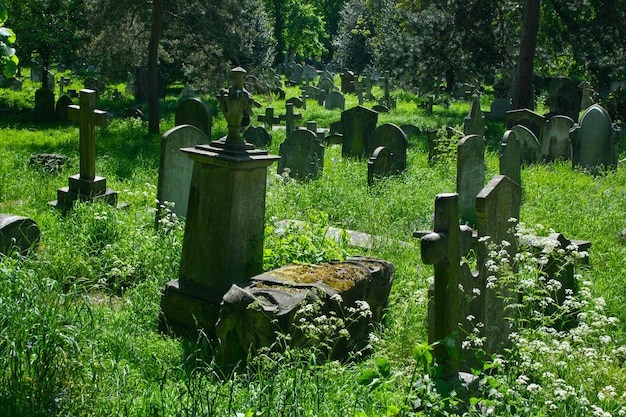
8, 57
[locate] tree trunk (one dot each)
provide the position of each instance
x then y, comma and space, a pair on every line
523, 94
153, 61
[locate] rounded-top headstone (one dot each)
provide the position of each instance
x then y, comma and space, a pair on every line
18, 234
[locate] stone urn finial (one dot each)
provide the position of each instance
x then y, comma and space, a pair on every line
236, 104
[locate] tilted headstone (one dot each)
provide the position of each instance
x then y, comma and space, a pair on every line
302, 155
18, 234
392, 137
554, 139
358, 124
193, 111
525, 117
335, 100
474, 123
258, 136
595, 140
530, 148
175, 169
470, 175
381, 164
86, 186
44, 105
509, 157
61, 108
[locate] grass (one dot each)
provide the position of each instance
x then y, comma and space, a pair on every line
78, 334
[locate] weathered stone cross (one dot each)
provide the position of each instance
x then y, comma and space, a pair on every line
290, 118
268, 118
89, 117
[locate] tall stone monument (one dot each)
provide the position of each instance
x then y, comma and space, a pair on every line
223, 242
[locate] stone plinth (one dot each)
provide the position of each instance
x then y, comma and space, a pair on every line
223, 243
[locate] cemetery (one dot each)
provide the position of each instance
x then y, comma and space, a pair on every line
331, 242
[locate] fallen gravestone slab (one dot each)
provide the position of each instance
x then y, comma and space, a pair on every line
303, 302
17, 234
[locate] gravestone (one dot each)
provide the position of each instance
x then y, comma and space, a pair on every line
453, 297
554, 139
470, 175
302, 155
309, 74
44, 105
587, 95
509, 157
18, 235
223, 241
381, 164
530, 148
394, 139
269, 119
296, 101
525, 117
15, 85
175, 169
335, 100
380, 108
368, 89
358, 124
498, 210
193, 111
290, 118
474, 123
387, 100
86, 186
595, 141
320, 133
411, 130
565, 98
359, 89
296, 74
335, 135
257, 136
273, 303
187, 92
501, 103
325, 85
347, 82
61, 108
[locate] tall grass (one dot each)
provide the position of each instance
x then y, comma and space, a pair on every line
79, 316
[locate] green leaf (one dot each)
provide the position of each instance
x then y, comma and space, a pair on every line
474, 401
4, 13
10, 67
7, 35
392, 410
384, 368
367, 377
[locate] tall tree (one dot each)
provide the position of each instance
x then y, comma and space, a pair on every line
523, 94
152, 67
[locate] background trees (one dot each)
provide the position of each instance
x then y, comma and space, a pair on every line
8, 58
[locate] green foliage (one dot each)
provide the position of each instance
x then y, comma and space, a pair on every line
8, 58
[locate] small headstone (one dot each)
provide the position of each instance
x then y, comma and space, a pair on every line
193, 111
175, 169
595, 141
394, 139
470, 175
380, 108
501, 103
411, 130
554, 139
296, 101
326, 85
296, 74
309, 74
61, 107
381, 164
358, 124
509, 156
44, 105
18, 234
530, 148
474, 123
187, 92
335, 100
258, 136
347, 82
302, 154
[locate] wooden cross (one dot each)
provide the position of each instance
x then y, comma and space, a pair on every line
89, 117
268, 118
290, 118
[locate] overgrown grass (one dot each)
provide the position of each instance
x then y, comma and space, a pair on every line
79, 317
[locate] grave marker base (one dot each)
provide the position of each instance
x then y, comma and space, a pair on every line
85, 191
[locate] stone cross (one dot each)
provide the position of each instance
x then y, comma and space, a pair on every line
303, 98
290, 118
89, 117
268, 118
